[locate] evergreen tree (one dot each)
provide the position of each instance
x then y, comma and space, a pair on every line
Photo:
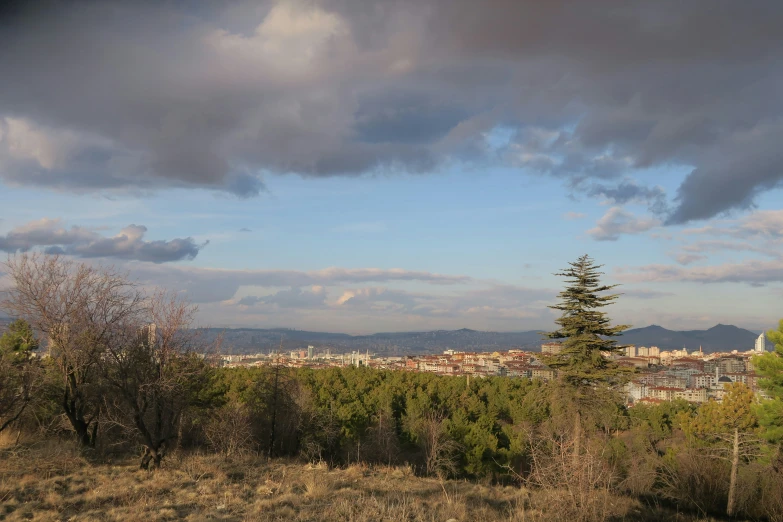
19, 342
770, 366
590, 379
18, 371
585, 329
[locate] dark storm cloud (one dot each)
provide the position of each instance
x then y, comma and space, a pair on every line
629, 191
129, 95
78, 241
739, 169
405, 118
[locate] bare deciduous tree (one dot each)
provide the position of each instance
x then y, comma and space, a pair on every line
229, 430
439, 449
154, 375
582, 481
119, 352
80, 309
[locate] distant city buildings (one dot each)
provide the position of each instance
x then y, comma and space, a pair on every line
644, 351
692, 376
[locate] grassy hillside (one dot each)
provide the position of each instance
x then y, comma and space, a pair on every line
52, 481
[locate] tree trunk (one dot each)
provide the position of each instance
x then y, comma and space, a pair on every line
81, 428
13, 419
777, 462
577, 439
156, 458
733, 481
146, 457
73, 405
151, 458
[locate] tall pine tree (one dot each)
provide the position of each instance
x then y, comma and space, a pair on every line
589, 377
586, 330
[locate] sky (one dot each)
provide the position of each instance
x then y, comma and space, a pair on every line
393, 165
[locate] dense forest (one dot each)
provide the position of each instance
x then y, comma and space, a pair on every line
124, 374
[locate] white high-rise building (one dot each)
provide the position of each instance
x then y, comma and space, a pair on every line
148, 334
761, 344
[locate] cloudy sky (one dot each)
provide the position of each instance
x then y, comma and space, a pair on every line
379, 165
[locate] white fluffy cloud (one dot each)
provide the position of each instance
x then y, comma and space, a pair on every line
617, 222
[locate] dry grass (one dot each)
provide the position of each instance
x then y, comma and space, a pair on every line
52, 482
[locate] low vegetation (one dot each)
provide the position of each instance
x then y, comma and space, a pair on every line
128, 419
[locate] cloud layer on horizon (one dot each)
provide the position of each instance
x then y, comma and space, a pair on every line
747, 250
209, 285
366, 300
752, 272
138, 96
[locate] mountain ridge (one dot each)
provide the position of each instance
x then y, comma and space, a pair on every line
718, 338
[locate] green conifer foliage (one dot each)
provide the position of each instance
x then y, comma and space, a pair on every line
770, 366
586, 330
18, 372
19, 341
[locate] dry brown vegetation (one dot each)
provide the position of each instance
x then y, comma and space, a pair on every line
51, 480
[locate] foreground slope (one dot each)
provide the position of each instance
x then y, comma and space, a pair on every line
53, 482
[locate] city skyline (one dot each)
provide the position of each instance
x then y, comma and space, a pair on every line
402, 166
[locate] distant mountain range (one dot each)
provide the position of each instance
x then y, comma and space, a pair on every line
251, 340
719, 338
